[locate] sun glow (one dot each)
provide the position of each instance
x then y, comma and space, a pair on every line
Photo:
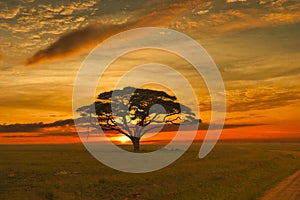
122, 139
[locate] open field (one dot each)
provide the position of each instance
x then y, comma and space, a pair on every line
230, 171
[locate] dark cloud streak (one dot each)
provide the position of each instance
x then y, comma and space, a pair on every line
74, 43
82, 40
33, 127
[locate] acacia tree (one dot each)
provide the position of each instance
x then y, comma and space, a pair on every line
129, 111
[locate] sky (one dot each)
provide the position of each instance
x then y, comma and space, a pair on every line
255, 45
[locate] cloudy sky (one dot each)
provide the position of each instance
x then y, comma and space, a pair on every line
255, 44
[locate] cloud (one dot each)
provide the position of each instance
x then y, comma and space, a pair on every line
20, 20
66, 8
235, 16
73, 43
233, 1
51, 128
260, 98
9, 13
84, 39
33, 127
208, 18
204, 126
257, 97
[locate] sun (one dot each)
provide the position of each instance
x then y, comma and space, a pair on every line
121, 139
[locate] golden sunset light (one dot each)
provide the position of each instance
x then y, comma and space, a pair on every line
255, 46
143, 74
121, 139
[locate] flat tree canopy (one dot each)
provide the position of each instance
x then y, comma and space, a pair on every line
129, 111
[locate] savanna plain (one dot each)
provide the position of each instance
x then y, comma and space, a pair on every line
233, 170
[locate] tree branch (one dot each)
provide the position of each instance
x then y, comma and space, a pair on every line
126, 125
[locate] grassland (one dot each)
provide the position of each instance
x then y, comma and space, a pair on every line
230, 171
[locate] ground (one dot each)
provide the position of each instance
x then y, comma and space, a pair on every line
230, 171
289, 188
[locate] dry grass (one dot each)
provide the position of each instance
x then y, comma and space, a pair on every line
231, 171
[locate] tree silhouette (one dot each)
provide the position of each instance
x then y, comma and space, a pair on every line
129, 111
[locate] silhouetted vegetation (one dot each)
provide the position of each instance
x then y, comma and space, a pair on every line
129, 111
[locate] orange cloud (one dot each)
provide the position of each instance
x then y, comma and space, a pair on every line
260, 98
187, 16
254, 20
74, 43
9, 14
83, 40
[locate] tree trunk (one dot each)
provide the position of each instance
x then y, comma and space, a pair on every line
136, 143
